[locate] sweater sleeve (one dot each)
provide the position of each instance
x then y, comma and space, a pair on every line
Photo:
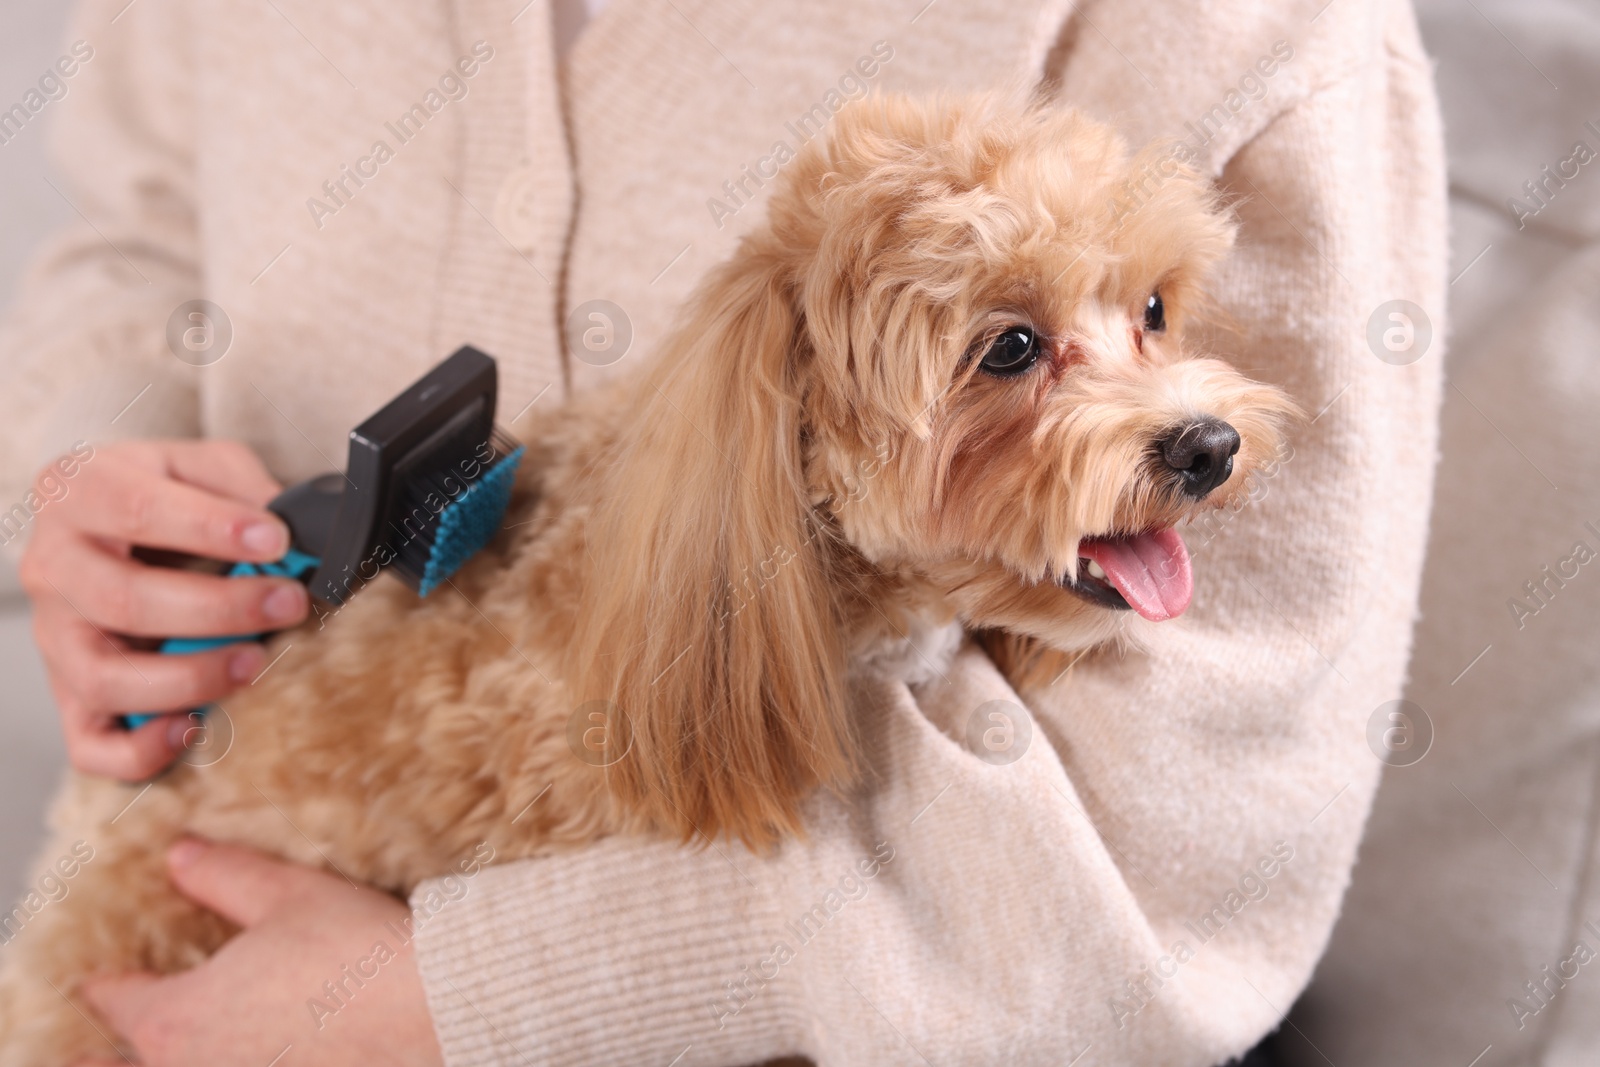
83, 349
1153, 879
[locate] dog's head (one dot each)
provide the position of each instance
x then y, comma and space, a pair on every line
995, 300
954, 349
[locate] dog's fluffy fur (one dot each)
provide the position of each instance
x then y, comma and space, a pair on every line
814, 466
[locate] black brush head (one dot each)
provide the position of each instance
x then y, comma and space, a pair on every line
410, 496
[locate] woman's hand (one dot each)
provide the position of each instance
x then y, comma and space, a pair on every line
322, 967
90, 594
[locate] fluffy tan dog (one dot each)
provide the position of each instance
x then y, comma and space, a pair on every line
943, 382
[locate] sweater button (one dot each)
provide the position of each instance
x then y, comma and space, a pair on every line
518, 209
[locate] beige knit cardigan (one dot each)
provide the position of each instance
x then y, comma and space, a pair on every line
1470, 930
1153, 881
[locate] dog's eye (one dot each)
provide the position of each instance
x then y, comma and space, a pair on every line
1013, 352
1155, 313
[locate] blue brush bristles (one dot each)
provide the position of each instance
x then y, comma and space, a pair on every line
468, 523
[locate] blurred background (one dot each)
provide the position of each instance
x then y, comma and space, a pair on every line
31, 753
1455, 902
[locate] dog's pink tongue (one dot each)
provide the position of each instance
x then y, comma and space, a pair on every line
1151, 571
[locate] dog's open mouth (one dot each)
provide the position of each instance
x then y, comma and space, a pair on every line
1147, 572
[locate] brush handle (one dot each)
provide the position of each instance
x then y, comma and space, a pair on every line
295, 564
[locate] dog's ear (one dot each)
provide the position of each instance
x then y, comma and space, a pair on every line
709, 616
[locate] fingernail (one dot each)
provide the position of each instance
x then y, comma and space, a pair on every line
246, 664
287, 603
267, 538
185, 852
178, 731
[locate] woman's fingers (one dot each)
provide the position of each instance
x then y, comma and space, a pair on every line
122, 595
96, 677
125, 1001
227, 468
242, 885
129, 504
95, 745
108, 676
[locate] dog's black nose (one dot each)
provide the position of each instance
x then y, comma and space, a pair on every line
1201, 454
